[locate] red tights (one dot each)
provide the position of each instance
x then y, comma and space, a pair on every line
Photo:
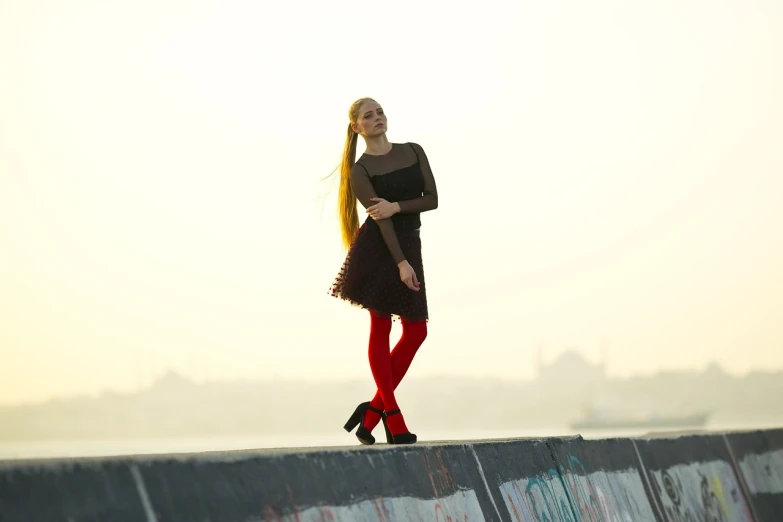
388, 369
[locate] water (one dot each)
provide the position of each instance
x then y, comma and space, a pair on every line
10, 450
113, 447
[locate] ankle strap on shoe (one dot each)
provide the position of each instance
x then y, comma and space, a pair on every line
376, 410
394, 412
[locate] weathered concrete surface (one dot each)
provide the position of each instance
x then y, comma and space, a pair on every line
704, 477
758, 460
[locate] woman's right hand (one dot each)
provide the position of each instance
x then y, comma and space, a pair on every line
408, 276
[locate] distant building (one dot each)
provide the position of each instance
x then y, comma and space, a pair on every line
571, 368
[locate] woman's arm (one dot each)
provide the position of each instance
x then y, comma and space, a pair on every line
429, 201
363, 189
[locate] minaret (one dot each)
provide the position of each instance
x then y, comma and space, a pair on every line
539, 359
604, 355
138, 363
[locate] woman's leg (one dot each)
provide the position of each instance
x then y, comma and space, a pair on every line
413, 335
380, 362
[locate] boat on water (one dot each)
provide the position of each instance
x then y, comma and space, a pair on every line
593, 420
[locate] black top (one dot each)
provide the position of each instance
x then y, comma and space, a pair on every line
401, 175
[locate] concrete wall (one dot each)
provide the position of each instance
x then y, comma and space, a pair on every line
711, 477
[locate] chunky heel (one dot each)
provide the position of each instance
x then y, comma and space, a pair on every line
389, 438
356, 417
363, 434
397, 438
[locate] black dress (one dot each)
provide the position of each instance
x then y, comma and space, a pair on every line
369, 277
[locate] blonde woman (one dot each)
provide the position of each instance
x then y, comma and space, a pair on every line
383, 270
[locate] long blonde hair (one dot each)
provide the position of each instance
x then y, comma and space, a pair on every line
346, 200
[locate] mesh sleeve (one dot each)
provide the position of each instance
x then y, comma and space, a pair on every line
429, 199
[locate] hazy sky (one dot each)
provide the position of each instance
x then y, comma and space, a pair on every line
610, 174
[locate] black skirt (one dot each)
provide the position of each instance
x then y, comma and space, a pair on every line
370, 279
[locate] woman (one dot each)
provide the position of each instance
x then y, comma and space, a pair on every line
383, 270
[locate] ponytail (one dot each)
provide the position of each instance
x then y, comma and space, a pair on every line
346, 200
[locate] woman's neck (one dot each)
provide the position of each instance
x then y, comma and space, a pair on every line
377, 145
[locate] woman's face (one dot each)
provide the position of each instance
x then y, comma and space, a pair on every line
371, 120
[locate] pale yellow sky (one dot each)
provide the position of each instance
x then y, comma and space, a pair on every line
160, 204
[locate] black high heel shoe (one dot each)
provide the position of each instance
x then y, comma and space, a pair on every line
363, 434
400, 438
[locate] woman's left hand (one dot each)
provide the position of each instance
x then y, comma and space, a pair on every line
382, 209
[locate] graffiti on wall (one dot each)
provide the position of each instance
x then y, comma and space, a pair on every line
573, 495
763, 473
462, 506
702, 491
537, 499
607, 496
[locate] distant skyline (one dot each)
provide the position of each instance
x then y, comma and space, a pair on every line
178, 407
610, 177
147, 381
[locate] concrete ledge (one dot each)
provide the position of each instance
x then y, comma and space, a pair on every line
709, 476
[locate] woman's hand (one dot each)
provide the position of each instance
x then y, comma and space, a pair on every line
383, 209
408, 276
